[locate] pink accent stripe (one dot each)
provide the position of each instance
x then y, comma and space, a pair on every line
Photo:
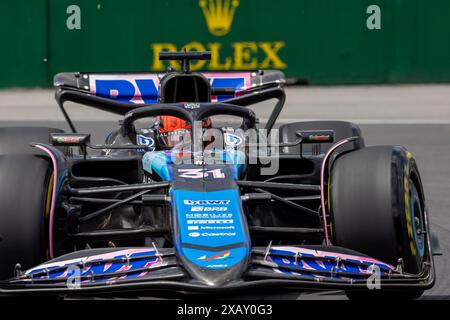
320, 253
322, 184
105, 256
52, 208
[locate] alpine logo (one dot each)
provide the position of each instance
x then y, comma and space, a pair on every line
220, 256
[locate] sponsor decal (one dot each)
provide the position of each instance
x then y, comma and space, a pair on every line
143, 88
194, 234
216, 261
246, 55
220, 256
206, 209
208, 215
211, 234
192, 106
68, 140
145, 141
206, 202
232, 139
138, 88
216, 228
211, 219
219, 15
219, 234
68, 271
217, 221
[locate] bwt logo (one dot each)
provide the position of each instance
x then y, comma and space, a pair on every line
144, 89
206, 202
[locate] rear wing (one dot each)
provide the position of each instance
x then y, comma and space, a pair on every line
121, 92
143, 88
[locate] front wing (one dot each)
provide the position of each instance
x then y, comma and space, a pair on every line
150, 269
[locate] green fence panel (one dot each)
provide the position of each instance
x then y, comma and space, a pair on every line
321, 41
23, 49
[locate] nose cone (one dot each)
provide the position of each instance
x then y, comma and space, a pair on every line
211, 235
216, 268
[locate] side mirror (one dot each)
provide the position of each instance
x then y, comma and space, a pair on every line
70, 139
316, 136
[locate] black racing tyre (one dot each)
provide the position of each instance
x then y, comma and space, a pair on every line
25, 186
342, 130
378, 207
16, 140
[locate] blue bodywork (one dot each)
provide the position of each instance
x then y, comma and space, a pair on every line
211, 229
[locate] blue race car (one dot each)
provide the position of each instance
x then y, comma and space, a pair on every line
191, 194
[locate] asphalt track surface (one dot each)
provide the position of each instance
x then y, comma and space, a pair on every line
417, 117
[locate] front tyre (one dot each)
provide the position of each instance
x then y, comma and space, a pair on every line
378, 207
25, 185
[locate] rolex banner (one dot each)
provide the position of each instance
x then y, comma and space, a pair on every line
318, 41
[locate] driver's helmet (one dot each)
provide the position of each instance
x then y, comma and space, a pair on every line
173, 131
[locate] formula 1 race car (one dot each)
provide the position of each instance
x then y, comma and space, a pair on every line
192, 195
